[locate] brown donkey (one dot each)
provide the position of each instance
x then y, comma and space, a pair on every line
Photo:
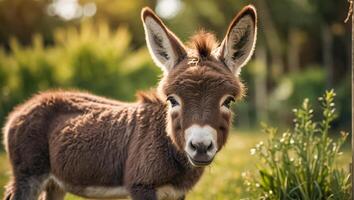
155, 148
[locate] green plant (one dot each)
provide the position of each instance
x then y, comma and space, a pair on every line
90, 57
301, 163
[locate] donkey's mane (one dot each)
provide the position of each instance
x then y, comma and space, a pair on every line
203, 43
148, 97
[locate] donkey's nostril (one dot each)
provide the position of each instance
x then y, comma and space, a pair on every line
192, 146
210, 147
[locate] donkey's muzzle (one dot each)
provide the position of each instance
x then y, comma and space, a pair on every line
201, 144
200, 154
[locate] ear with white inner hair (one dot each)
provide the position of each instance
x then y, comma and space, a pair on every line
165, 48
238, 45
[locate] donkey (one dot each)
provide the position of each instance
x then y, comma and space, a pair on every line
155, 148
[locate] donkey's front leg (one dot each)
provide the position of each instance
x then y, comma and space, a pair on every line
142, 192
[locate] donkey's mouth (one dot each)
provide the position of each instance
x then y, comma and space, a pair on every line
199, 163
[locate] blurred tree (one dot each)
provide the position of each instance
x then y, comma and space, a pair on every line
22, 18
92, 58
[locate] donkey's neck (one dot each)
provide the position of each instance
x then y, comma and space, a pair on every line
151, 119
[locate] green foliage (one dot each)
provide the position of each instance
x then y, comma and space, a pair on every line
301, 163
344, 102
307, 84
91, 57
292, 88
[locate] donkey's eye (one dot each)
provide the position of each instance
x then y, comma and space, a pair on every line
172, 101
228, 101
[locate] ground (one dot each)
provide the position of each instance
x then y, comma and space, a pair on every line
222, 180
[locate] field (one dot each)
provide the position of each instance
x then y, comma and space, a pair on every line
222, 180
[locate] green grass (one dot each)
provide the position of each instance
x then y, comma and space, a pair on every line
222, 180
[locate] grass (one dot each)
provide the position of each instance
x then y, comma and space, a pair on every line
222, 180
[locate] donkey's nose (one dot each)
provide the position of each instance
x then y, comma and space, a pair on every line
200, 153
201, 147
201, 144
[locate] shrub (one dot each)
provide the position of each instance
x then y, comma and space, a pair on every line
301, 163
90, 57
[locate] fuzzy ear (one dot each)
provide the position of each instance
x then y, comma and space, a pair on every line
165, 48
239, 42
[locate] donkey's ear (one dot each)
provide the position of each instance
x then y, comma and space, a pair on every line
165, 48
239, 42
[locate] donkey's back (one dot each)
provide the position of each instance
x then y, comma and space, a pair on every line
61, 136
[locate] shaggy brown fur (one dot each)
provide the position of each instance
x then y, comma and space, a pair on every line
70, 141
202, 44
194, 83
78, 128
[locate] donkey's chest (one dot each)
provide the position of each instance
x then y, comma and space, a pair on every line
162, 192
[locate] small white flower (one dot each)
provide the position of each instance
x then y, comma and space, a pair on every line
292, 141
334, 147
253, 151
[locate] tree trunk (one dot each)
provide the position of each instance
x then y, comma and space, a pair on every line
261, 84
293, 50
352, 167
327, 54
271, 37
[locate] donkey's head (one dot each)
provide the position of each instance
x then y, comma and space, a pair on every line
200, 81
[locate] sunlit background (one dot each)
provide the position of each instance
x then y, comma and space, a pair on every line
303, 48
